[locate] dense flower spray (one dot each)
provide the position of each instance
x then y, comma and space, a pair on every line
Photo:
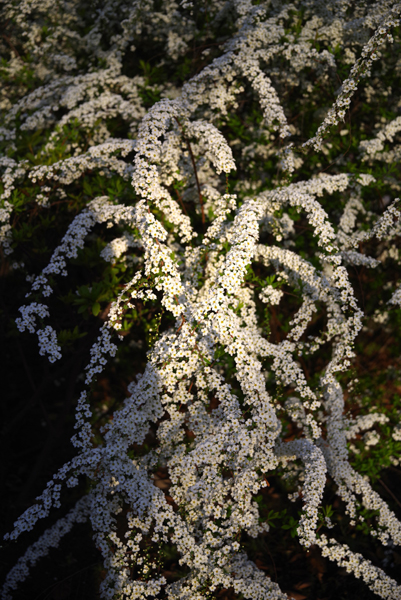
191, 242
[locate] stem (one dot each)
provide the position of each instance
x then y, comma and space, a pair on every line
181, 202
195, 170
390, 492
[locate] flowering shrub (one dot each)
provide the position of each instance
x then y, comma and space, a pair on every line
189, 189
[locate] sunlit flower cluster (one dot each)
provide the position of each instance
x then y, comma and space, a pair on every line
198, 269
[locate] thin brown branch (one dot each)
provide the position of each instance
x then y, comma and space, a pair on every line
181, 202
390, 492
195, 170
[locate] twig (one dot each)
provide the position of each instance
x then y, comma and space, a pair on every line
390, 492
55, 436
195, 170
56, 583
181, 202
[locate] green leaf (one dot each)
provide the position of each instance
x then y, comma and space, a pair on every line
96, 309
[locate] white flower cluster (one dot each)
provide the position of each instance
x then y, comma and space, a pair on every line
50, 539
219, 435
377, 580
271, 295
361, 69
376, 145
